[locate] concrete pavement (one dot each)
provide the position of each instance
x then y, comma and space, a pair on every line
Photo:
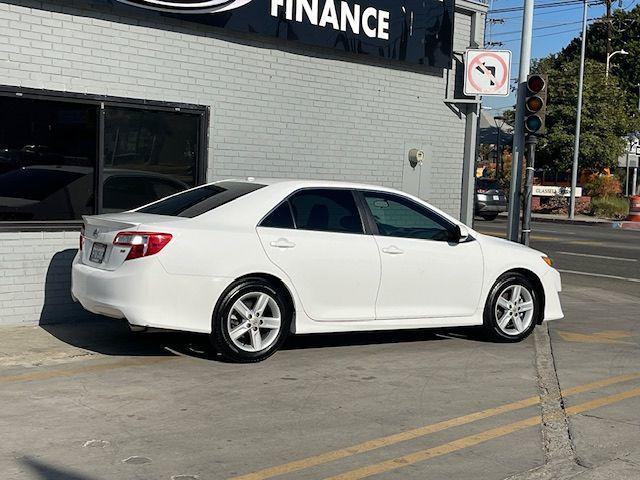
95, 402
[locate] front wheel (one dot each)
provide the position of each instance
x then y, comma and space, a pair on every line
489, 216
252, 321
512, 309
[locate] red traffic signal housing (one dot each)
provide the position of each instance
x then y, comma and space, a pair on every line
536, 104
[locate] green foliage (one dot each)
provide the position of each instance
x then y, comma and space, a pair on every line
610, 108
606, 116
610, 207
603, 186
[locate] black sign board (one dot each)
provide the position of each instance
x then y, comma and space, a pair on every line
413, 31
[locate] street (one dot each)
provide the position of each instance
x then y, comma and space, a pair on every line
92, 401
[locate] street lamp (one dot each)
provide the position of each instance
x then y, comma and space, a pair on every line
621, 52
500, 121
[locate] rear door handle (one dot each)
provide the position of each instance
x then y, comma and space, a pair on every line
282, 243
392, 250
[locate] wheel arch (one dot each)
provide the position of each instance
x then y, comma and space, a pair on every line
273, 279
533, 278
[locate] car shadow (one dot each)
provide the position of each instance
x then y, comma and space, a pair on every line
70, 323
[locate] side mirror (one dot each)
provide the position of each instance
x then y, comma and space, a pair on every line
460, 234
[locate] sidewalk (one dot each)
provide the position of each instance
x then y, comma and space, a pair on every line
581, 220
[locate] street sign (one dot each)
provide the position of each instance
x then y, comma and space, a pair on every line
554, 191
487, 72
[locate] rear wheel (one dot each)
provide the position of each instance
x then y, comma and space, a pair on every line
512, 309
252, 321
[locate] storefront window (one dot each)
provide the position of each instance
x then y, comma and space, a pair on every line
47, 159
49, 156
147, 155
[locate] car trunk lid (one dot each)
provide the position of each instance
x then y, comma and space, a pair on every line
98, 250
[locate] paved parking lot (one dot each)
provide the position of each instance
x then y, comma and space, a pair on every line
93, 401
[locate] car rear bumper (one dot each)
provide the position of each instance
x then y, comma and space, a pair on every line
490, 207
142, 292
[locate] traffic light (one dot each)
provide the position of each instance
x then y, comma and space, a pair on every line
535, 104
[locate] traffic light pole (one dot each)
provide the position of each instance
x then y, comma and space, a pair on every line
518, 134
530, 144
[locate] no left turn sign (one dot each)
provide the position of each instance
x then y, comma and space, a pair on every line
487, 72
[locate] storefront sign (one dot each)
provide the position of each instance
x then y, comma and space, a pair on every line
414, 31
553, 191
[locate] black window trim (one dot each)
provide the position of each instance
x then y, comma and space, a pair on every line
451, 227
364, 215
100, 102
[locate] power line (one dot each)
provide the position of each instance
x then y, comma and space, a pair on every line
507, 40
545, 27
555, 4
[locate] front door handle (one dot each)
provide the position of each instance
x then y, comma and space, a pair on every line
282, 243
393, 250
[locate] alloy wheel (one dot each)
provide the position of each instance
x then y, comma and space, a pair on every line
514, 310
254, 322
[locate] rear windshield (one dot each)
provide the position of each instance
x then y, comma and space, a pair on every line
195, 202
487, 184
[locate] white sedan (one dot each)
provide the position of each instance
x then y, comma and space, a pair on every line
250, 262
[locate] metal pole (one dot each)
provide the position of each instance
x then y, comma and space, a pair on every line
530, 142
634, 182
576, 146
626, 177
606, 69
518, 133
498, 156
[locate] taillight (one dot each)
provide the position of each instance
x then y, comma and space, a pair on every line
81, 237
142, 244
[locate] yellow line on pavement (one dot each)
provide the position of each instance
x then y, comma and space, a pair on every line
475, 439
421, 431
69, 372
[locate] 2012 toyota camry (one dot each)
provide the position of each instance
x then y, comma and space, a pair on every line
250, 262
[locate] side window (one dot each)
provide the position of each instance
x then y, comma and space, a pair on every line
326, 210
399, 217
279, 218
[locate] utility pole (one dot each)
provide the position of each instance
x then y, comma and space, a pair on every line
518, 134
576, 145
609, 27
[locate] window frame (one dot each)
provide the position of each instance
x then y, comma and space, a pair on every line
101, 102
449, 225
364, 214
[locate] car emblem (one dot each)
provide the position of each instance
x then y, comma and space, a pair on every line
96, 232
188, 6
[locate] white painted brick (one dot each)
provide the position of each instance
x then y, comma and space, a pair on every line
277, 109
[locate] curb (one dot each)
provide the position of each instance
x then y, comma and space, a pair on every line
627, 225
570, 222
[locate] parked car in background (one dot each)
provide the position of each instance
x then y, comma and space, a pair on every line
66, 193
250, 262
490, 200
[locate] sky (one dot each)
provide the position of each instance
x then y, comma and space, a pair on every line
553, 28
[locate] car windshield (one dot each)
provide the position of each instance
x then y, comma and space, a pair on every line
200, 200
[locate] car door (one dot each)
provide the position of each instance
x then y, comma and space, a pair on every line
424, 274
317, 237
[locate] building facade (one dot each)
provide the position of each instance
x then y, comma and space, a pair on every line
106, 106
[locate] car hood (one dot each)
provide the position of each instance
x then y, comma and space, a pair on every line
501, 243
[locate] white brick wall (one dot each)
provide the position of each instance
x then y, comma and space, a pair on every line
277, 109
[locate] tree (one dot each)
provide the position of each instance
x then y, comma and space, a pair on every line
606, 116
609, 107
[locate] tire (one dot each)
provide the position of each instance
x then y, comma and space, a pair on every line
240, 321
489, 216
500, 303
